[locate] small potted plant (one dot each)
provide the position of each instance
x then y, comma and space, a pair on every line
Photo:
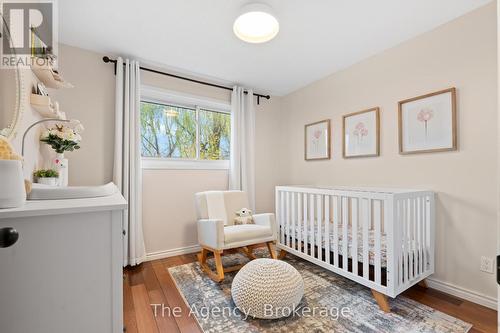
46, 176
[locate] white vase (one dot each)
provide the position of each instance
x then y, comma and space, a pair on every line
12, 190
61, 165
52, 181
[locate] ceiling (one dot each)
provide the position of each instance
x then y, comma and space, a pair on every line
195, 37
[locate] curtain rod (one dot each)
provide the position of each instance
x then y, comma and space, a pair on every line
106, 59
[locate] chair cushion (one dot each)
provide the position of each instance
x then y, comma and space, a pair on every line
244, 232
233, 201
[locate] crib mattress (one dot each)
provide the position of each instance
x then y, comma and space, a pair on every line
371, 242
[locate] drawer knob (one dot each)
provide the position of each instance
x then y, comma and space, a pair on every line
8, 237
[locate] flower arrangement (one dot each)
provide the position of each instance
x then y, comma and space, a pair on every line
63, 138
46, 173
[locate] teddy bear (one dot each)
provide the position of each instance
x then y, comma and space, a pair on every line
243, 216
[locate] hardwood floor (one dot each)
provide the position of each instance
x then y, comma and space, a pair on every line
150, 283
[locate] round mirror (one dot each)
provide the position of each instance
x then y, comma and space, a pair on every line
10, 96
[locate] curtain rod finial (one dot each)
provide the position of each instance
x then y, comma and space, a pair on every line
106, 59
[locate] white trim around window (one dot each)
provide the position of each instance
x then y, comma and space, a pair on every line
152, 163
163, 96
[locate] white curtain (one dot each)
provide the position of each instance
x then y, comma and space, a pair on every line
242, 172
127, 162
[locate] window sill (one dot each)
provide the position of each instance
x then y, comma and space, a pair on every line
160, 163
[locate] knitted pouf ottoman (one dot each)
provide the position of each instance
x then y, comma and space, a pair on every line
267, 289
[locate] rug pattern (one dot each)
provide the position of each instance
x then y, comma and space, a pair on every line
325, 291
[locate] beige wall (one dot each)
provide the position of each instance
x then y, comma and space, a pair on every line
92, 101
460, 54
269, 143
168, 208
168, 205
32, 159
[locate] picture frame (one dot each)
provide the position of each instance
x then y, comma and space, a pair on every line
361, 133
317, 141
428, 123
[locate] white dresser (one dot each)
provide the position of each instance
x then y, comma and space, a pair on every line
64, 272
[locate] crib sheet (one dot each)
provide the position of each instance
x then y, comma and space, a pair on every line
371, 241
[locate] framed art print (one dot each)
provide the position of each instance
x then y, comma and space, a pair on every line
317, 141
361, 133
428, 123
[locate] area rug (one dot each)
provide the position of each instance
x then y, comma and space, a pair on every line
331, 303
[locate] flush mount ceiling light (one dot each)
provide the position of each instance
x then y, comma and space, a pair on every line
256, 24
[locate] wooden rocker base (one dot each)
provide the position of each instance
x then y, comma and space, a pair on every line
382, 301
218, 275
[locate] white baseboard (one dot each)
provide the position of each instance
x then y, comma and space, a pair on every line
172, 252
463, 293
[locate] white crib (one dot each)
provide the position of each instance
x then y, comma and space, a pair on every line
381, 238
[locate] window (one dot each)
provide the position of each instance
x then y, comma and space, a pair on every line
173, 134
168, 131
215, 129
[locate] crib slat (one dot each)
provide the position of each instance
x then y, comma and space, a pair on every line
277, 212
403, 225
400, 229
410, 239
354, 230
390, 230
420, 233
405, 240
319, 214
293, 220
336, 209
415, 237
366, 226
282, 216
299, 221
287, 227
327, 228
426, 228
313, 223
377, 235
345, 236
305, 236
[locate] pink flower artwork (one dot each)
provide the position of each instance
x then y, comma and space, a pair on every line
360, 131
316, 139
424, 116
